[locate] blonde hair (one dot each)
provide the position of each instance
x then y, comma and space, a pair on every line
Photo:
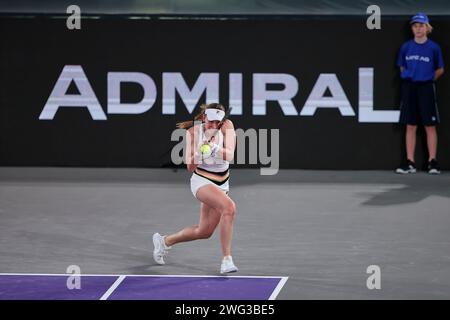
428, 26
199, 116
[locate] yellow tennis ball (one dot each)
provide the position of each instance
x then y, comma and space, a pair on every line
205, 149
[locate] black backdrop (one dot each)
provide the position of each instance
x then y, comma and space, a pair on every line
35, 50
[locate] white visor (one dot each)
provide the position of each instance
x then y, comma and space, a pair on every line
214, 114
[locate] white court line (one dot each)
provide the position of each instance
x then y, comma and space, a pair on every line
136, 275
278, 288
112, 288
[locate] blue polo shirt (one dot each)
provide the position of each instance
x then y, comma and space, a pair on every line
420, 60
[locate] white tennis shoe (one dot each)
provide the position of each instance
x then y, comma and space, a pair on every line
160, 249
227, 265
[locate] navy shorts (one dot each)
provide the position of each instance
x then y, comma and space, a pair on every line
418, 103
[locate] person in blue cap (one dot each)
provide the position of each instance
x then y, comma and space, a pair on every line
421, 64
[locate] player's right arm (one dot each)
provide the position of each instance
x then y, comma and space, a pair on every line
191, 156
401, 62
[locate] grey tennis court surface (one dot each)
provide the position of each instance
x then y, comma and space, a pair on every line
321, 229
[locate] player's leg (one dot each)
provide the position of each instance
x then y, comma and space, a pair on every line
433, 165
408, 166
410, 140
209, 219
408, 117
431, 141
222, 203
430, 118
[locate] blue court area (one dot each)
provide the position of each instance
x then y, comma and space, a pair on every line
134, 287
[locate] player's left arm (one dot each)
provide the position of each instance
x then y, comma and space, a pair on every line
229, 141
439, 63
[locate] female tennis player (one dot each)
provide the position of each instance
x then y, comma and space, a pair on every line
210, 147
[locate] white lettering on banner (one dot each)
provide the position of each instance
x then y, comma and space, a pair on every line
235, 80
173, 81
58, 98
366, 112
284, 97
338, 98
208, 84
114, 104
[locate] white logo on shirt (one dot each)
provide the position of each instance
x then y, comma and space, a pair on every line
417, 57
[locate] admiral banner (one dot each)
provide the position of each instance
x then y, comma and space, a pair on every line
324, 90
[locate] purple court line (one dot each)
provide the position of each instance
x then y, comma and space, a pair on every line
139, 287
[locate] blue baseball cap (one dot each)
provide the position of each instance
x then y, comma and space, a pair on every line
420, 17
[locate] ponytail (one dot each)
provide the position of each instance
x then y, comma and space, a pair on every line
190, 123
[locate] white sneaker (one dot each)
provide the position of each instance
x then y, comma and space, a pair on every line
160, 250
407, 167
227, 265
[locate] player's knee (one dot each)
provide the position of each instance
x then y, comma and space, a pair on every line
229, 209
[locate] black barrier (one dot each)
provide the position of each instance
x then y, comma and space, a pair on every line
330, 85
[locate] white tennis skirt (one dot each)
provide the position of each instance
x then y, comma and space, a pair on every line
197, 182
